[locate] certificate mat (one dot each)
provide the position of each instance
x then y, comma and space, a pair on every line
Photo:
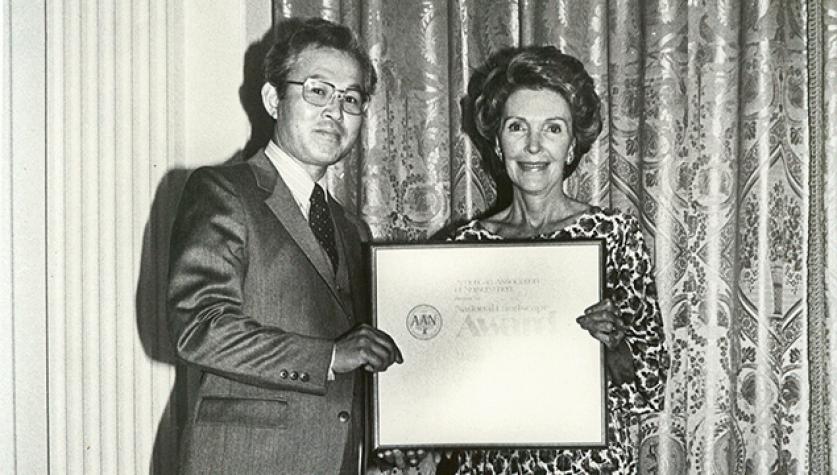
493, 355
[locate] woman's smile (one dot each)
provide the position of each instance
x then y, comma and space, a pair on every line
533, 166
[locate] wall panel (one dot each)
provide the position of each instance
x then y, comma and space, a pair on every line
23, 397
132, 107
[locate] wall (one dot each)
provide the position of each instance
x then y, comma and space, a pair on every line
23, 421
107, 105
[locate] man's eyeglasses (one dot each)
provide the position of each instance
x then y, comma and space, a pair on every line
319, 93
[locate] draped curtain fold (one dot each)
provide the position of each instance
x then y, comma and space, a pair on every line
708, 139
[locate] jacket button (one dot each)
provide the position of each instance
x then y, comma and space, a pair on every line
303, 376
343, 416
294, 375
283, 374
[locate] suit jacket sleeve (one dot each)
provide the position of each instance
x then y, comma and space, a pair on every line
209, 262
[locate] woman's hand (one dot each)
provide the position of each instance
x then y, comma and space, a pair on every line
602, 321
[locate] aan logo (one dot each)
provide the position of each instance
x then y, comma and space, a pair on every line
424, 322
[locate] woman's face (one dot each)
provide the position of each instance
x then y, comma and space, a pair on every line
535, 135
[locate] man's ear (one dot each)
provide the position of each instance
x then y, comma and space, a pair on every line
270, 99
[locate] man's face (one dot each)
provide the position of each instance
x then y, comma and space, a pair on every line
318, 136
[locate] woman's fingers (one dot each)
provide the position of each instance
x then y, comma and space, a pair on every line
610, 340
602, 305
403, 458
602, 322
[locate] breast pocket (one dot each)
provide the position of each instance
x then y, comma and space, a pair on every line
265, 413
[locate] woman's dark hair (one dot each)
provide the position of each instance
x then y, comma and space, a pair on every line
538, 67
294, 35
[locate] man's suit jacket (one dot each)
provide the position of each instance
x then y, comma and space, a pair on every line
254, 303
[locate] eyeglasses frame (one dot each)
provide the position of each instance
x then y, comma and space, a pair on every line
342, 93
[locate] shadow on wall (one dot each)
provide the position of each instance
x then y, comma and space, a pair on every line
151, 314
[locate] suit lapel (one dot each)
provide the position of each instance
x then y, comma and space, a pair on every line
281, 202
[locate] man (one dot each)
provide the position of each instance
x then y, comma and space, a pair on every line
268, 292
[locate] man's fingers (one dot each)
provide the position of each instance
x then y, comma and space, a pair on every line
377, 336
379, 356
384, 341
393, 347
380, 352
370, 358
396, 352
366, 347
384, 348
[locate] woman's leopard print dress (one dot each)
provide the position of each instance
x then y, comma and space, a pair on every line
630, 284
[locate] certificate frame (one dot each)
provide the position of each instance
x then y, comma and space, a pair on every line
534, 335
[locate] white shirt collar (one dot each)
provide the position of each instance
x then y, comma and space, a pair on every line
295, 176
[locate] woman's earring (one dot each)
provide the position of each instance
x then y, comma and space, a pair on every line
571, 154
497, 150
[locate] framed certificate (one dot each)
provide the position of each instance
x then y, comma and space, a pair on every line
493, 355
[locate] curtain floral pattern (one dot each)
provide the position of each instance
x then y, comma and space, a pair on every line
706, 140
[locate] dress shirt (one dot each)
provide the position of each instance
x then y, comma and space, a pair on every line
295, 176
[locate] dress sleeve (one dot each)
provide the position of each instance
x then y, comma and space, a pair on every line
635, 293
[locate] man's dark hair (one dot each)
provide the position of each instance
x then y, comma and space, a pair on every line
294, 35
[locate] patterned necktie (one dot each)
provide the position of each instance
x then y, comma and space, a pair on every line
319, 219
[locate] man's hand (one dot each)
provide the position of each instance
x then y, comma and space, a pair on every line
365, 346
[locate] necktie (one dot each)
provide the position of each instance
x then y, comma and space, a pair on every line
319, 219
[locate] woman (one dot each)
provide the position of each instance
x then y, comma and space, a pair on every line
539, 109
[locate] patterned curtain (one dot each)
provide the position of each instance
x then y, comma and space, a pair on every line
720, 117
